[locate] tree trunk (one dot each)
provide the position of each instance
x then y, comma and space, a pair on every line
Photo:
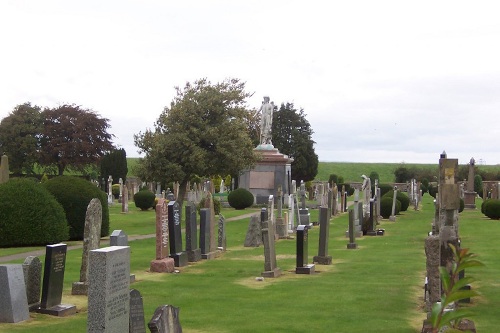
182, 192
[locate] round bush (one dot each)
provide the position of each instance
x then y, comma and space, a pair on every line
115, 190
492, 209
386, 207
462, 205
240, 198
432, 190
74, 195
483, 205
144, 199
401, 197
217, 205
384, 188
40, 220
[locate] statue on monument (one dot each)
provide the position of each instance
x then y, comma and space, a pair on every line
266, 121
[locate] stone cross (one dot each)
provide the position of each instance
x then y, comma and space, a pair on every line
268, 239
324, 234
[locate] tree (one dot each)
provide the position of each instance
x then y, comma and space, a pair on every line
115, 164
374, 175
203, 132
19, 137
402, 174
292, 135
73, 137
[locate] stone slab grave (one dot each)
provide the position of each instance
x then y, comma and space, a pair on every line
165, 320
162, 263
136, 314
205, 237
120, 238
324, 234
13, 301
32, 268
109, 295
302, 267
52, 286
192, 250
91, 241
268, 239
253, 237
175, 234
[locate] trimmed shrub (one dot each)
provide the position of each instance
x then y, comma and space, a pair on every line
462, 205
144, 199
74, 195
37, 221
384, 188
492, 209
217, 205
240, 198
115, 190
483, 205
401, 197
386, 207
432, 190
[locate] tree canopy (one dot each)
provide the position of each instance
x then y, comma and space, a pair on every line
19, 137
114, 163
73, 137
292, 135
203, 132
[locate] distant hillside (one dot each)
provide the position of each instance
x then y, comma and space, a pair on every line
352, 171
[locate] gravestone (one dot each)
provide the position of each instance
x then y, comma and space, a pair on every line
302, 267
13, 301
136, 323
205, 239
110, 190
210, 205
91, 241
192, 249
324, 233
360, 221
32, 268
4, 169
109, 283
221, 244
175, 235
253, 237
165, 320
393, 211
281, 227
120, 238
352, 235
125, 199
371, 224
270, 266
162, 263
53, 278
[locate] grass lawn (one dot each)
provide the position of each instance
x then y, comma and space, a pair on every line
376, 288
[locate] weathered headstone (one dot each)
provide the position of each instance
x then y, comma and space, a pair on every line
352, 236
110, 190
302, 267
393, 211
209, 203
192, 249
53, 278
253, 237
360, 221
371, 224
32, 268
165, 320
281, 227
91, 241
4, 169
175, 235
109, 283
136, 321
125, 199
13, 301
270, 266
120, 238
221, 243
162, 263
324, 234
205, 238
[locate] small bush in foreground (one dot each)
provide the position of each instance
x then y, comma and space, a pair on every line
240, 198
144, 199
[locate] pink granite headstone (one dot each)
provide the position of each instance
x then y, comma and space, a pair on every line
162, 263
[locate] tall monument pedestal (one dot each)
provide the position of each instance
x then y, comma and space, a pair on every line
272, 170
470, 200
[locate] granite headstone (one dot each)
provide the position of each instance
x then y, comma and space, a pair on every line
13, 301
32, 268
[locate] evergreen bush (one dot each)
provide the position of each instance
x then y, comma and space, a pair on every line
240, 198
483, 205
386, 207
401, 197
115, 190
217, 205
74, 194
384, 188
144, 199
37, 221
462, 205
492, 209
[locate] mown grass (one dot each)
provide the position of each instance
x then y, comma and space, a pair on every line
375, 288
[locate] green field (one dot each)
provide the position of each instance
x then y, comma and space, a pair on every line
376, 288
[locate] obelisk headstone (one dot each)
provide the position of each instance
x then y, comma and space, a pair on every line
324, 234
162, 263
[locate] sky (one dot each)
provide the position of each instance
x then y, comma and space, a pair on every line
379, 81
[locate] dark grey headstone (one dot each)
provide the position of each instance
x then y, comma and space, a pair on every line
204, 231
108, 297
324, 234
222, 233
13, 301
118, 238
253, 237
302, 251
165, 320
136, 319
32, 268
192, 249
175, 235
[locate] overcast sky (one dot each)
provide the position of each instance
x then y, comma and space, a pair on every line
380, 81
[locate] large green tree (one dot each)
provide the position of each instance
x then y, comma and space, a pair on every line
203, 132
292, 135
73, 137
115, 164
19, 137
